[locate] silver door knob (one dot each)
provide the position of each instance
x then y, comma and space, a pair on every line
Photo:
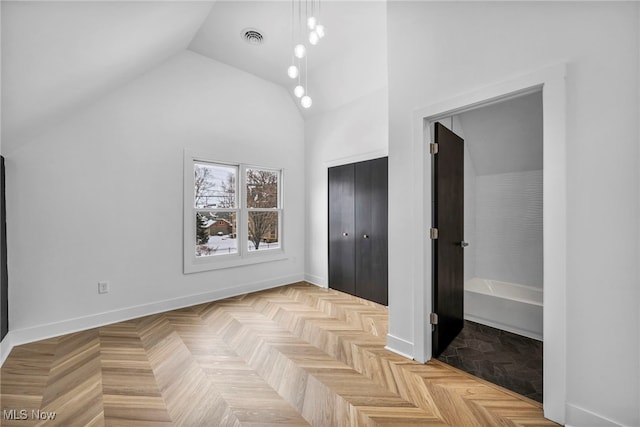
345, 234
464, 244
366, 236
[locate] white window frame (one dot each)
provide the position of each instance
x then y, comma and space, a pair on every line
244, 256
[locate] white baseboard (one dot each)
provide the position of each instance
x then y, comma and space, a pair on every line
40, 332
6, 345
316, 280
399, 346
580, 417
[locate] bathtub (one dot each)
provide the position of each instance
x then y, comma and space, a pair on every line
507, 306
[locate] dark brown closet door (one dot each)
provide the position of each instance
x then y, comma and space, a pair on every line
342, 228
371, 230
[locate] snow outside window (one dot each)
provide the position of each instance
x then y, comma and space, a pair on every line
233, 214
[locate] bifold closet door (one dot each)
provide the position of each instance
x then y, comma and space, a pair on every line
371, 225
342, 229
358, 229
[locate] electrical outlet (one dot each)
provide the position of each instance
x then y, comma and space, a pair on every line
103, 287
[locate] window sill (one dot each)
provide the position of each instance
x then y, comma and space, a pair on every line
195, 265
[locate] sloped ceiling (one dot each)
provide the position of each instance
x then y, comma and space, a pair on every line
506, 136
59, 57
349, 62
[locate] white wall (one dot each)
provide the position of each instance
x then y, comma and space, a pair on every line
470, 212
99, 197
438, 50
509, 228
354, 132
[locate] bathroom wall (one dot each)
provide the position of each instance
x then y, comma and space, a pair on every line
503, 190
470, 227
509, 227
454, 124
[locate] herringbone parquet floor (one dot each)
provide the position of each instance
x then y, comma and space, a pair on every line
296, 355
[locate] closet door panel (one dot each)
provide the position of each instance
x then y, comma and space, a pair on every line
380, 224
364, 272
371, 230
342, 228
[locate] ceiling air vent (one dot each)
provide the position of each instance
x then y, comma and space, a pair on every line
252, 36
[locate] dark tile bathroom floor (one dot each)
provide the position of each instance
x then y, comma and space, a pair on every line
509, 360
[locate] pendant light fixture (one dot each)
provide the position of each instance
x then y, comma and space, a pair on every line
306, 100
309, 22
314, 38
299, 51
293, 71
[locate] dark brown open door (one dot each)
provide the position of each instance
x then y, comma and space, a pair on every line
448, 219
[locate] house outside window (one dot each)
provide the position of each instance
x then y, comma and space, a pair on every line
233, 214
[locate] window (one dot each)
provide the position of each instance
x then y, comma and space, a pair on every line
263, 208
233, 214
215, 209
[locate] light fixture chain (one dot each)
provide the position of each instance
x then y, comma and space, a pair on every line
306, 19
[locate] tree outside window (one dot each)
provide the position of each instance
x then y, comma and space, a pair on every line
262, 198
217, 209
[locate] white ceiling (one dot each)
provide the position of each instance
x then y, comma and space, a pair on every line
505, 136
59, 57
349, 62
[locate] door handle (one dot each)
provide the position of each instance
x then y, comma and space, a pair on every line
366, 236
464, 244
345, 234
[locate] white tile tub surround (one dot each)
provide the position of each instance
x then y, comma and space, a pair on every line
508, 229
507, 306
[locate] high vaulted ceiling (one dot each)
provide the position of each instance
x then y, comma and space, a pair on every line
59, 57
347, 33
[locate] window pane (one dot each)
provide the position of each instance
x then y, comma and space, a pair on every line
262, 188
215, 186
216, 233
264, 230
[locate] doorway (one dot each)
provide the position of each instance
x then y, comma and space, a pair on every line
501, 160
552, 82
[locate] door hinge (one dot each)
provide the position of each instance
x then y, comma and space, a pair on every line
433, 233
433, 148
433, 318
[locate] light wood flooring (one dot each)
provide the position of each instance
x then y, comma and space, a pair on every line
296, 355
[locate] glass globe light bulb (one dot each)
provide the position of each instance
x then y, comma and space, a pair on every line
298, 91
320, 30
299, 51
314, 38
306, 101
311, 22
292, 71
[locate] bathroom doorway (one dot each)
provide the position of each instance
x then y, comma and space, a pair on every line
502, 339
